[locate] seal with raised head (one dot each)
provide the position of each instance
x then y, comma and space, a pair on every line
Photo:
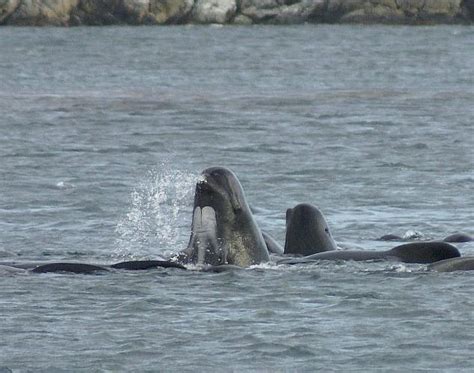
307, 231
223, 228
414, 252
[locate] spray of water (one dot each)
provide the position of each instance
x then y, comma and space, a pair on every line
158, 219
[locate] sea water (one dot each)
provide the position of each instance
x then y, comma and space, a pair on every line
104, 131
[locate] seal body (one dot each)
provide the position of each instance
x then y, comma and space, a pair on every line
458, 237
414, 252
465, 263
69, 267
424, 252
87, 268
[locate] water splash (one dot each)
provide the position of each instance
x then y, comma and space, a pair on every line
159, 216
400, 267
413, 235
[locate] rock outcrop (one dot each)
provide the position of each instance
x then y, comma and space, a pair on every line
96, 13
214, 11
7, 7
42, 12
158, 11
140, 12
283, 11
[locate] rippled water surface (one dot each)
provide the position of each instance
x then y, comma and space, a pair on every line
103, 132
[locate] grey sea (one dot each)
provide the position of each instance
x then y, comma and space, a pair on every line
104, 131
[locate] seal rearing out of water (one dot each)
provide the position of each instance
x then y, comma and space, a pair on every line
224, 232
307, 231
223, 228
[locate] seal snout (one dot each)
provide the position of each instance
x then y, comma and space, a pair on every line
202, 179
204, 192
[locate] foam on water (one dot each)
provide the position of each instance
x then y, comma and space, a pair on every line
64, 185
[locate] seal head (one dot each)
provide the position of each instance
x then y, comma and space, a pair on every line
223, 228
307, 231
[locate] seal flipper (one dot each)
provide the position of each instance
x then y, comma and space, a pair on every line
69, 267
203, 237
272, 246
203, 245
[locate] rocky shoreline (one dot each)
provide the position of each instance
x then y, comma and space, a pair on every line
242, 12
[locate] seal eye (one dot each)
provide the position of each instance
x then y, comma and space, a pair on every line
326, 230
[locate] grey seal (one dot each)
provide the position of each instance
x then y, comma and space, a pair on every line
307, 231
458, 237
86, 268
414, 252
223, 228
465, 263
